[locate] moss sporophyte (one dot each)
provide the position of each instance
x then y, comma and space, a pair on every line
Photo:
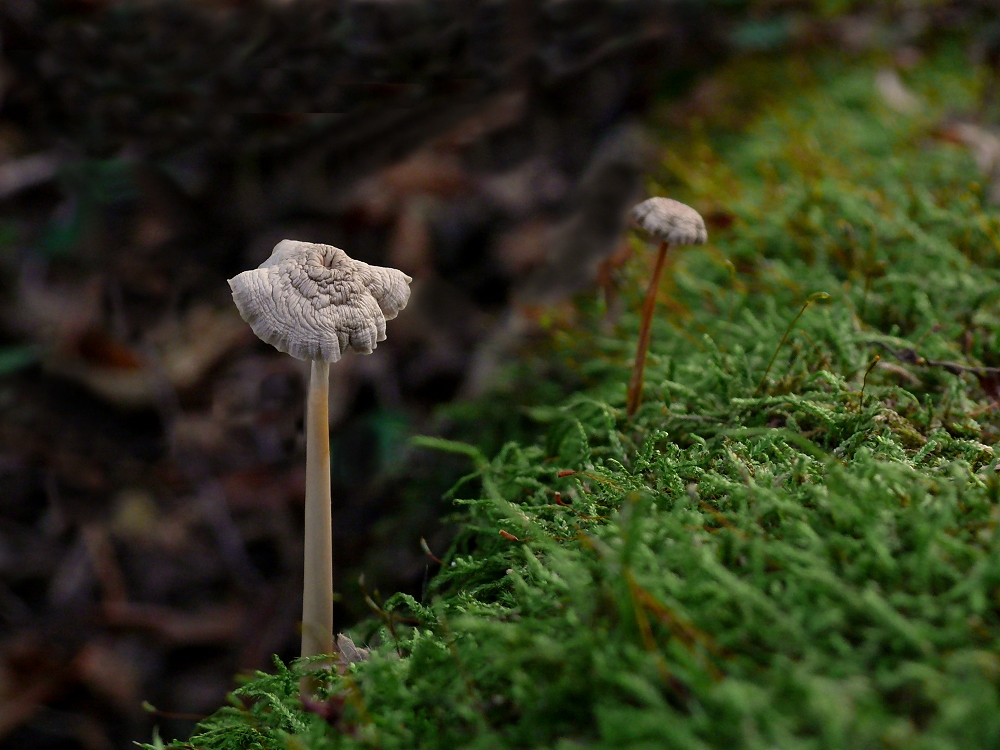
791, 544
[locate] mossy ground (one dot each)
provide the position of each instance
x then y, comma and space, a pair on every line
806, 559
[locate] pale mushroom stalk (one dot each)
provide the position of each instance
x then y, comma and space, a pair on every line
671, 222
317, 578
315, 302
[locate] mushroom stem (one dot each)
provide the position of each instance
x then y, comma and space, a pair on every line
317, 581
634, 397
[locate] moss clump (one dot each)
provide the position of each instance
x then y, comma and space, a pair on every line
804, 561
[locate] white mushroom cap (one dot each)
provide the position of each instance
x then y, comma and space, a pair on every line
314, 302
670, 221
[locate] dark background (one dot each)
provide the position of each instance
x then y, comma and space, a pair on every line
151, 453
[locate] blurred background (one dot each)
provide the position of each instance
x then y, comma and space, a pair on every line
151, 449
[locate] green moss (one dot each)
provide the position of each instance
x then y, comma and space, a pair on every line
807, 561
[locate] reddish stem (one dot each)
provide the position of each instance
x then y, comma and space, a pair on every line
645, 327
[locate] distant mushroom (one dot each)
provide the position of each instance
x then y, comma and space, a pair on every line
314, 302
670, 222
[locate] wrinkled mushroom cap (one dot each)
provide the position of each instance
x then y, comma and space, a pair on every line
313, 302
670, 221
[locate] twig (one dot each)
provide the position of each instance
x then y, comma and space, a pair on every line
910, 356
983, 409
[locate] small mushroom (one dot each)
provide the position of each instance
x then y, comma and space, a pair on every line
670, 222
314, 302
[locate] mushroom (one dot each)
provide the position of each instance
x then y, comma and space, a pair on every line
314, 302
670, 222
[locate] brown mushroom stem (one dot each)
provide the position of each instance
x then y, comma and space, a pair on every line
634, 397
317, 583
